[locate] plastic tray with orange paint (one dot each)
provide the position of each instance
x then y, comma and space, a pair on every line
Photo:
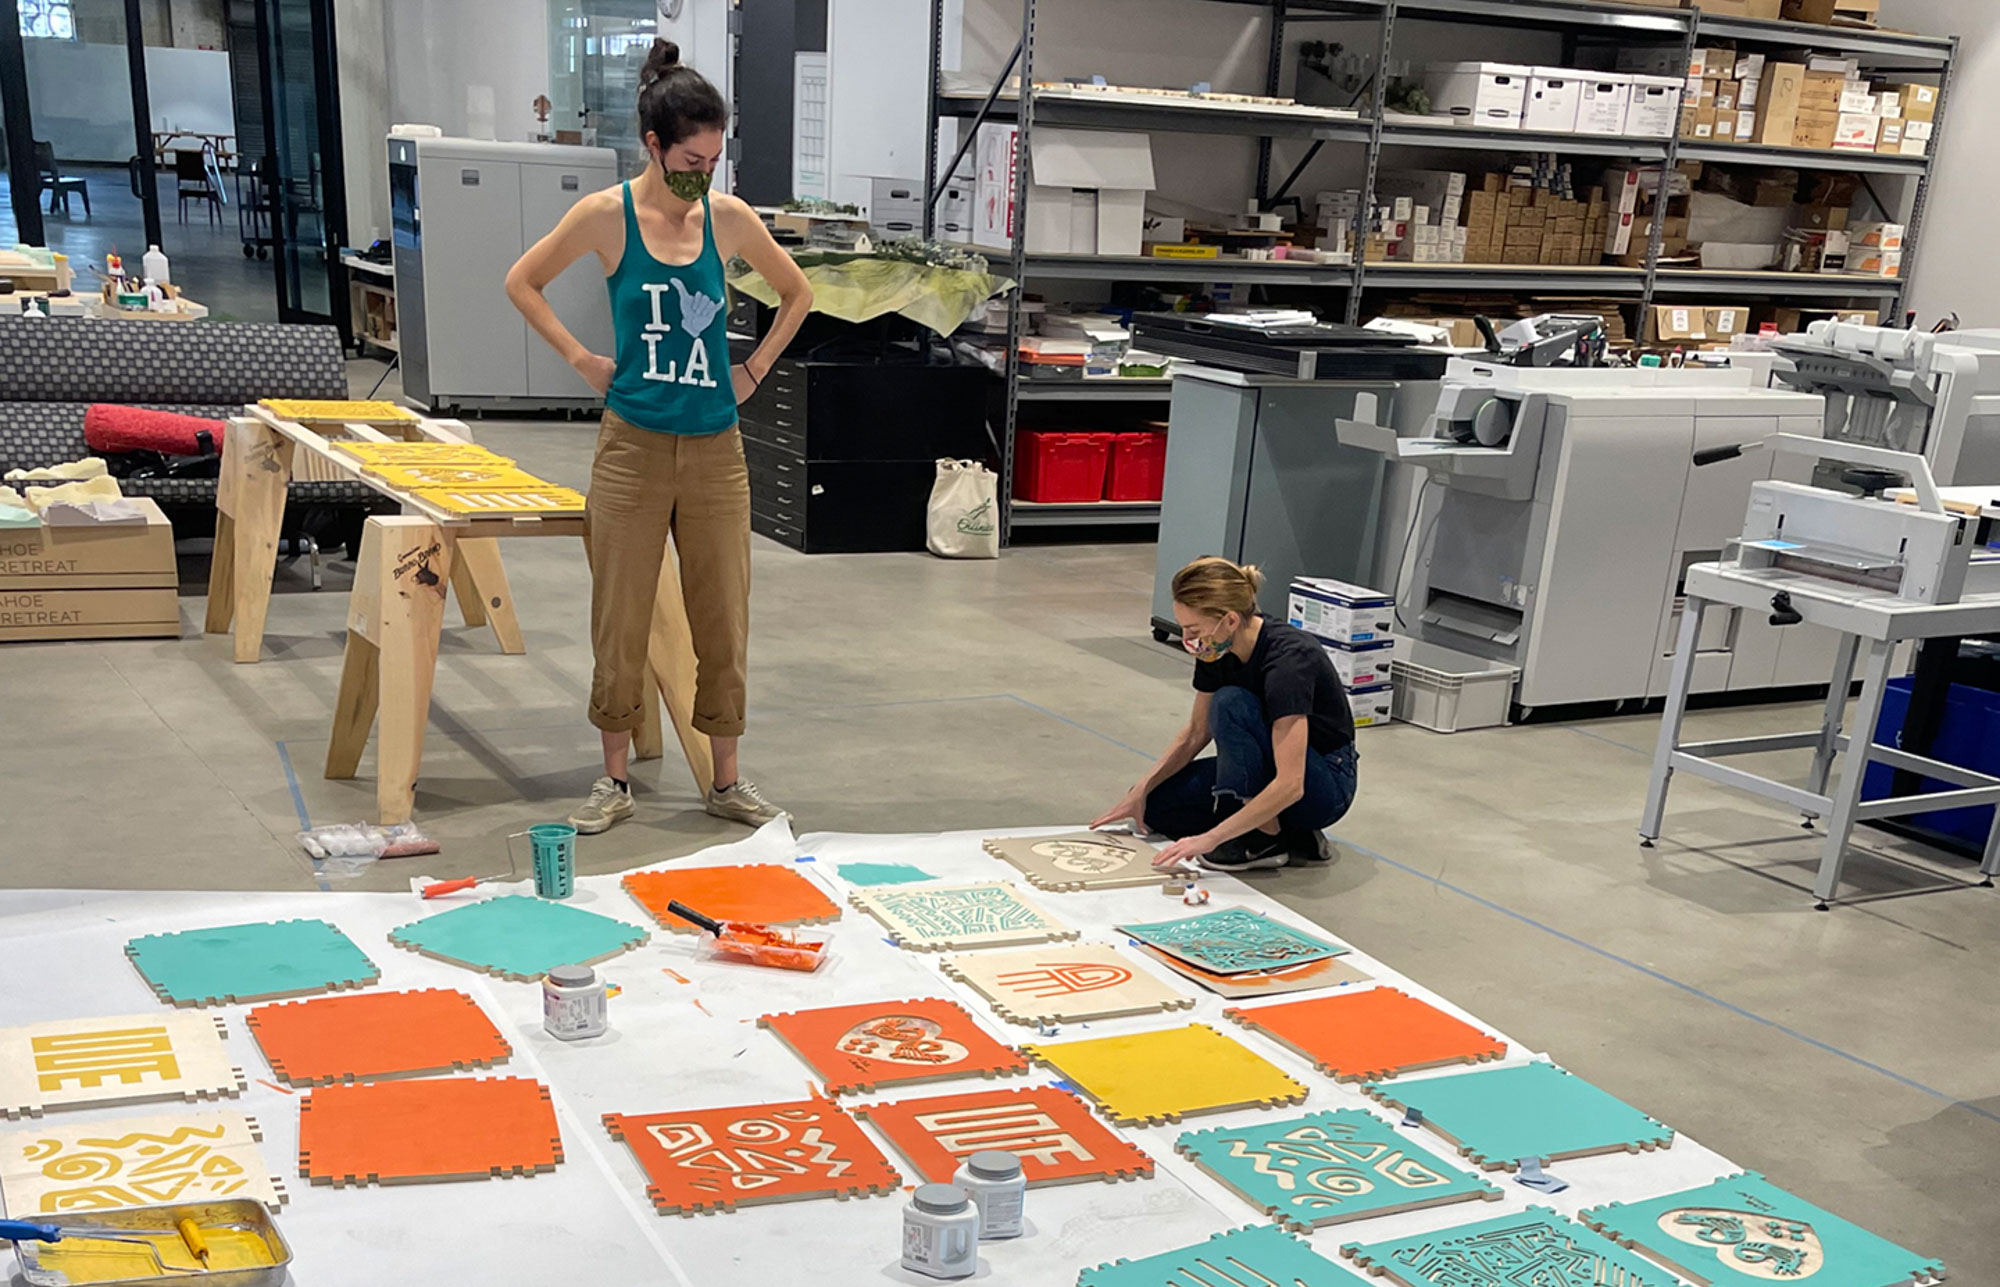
1371, 1035
445, 1128
376, 1034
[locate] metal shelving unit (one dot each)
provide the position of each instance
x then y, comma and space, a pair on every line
1881, 51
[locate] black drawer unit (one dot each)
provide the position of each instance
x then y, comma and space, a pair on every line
843, 450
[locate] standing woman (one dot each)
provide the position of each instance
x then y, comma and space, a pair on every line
1271, 703
669, 458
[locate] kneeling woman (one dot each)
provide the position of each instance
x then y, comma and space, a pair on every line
1269, 699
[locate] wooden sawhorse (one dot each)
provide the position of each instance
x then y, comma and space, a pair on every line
394, 618
258, 454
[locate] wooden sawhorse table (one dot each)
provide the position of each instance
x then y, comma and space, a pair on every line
396, 610
258, 455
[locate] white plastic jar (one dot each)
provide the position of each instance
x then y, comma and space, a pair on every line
573, 1005
941, 1232
994, 1182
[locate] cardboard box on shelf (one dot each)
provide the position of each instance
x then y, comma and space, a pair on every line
1723, 323
1819, 11
1676, 323
1890, 140
1748, 67
1652, 109
1857, 132
1750, 92
1777, 115
1889, 105
1554, 95
1821, 218
993, 185
1493, 95
1725, 95
1919, 101
1859, 101
1816, 130
96, 556
1742, 8
1876, 236
1087, 192
1876, 263
1793, 321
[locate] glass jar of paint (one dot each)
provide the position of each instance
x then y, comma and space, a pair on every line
573, 1005
993, 1180
941, 1232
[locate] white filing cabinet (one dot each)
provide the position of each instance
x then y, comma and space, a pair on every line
464, 210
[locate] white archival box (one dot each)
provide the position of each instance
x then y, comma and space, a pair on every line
1088, 192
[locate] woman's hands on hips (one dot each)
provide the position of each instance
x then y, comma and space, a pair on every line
1131, 807
596, 370
1181, 852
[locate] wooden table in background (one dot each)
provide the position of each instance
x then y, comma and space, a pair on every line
396, 610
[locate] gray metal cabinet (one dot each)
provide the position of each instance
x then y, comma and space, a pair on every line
1255, 474
578, 296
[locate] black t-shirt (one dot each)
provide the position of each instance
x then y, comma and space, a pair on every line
1291, 674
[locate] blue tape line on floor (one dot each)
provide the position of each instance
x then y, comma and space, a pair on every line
299, 804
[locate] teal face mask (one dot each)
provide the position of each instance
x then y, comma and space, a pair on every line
688, 185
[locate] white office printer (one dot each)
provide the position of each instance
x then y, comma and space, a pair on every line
1934, 395
1562, 510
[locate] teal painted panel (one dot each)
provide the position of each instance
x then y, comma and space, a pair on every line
1329, 1168
1536, 1248
1256, 1256
518, 937
256, 962
1744, 1231
882, 873
1229, 942
1500, 1115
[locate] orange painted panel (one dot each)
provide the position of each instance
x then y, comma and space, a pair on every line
376, 1034
1050, 1130
860, 1047
1366, 1036
713, 1159
445, 1128
761, 894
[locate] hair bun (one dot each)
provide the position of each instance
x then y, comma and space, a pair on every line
1254, 575
664, 54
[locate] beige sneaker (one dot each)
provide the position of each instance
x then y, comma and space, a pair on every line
608, 804
743, 803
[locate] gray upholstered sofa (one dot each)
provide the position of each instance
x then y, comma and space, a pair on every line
53, 369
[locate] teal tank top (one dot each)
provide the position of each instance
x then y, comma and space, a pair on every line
672, 367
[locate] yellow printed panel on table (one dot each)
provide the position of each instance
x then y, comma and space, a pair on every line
520, 501
338, 411
455, 476
384, 454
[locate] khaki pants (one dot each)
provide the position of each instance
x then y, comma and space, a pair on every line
644, 487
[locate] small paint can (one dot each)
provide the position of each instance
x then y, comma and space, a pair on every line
573, 1003
554, 848
992, 1179
941, 1232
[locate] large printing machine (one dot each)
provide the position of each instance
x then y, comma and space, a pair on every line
1561, 510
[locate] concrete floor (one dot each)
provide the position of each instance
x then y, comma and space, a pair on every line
1846, 1055
206, 254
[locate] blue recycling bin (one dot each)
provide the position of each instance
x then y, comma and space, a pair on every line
1968, 736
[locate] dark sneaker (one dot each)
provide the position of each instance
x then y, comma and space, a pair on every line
1254, 852
1309, 846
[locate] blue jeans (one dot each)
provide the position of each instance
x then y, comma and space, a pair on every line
1214, 787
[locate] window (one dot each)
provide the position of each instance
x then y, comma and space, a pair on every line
49, 19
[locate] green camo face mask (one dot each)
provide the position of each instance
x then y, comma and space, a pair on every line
688, 185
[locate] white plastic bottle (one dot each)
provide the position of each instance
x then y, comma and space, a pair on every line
941, 1232
573, 1003
155, 266
994, 1182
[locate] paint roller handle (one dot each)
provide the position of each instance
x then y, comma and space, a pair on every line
694, 917
22, 1231
444, 887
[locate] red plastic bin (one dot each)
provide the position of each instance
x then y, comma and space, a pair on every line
1060, 468
1138, 467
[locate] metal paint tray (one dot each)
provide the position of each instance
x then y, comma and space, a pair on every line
41, 1261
